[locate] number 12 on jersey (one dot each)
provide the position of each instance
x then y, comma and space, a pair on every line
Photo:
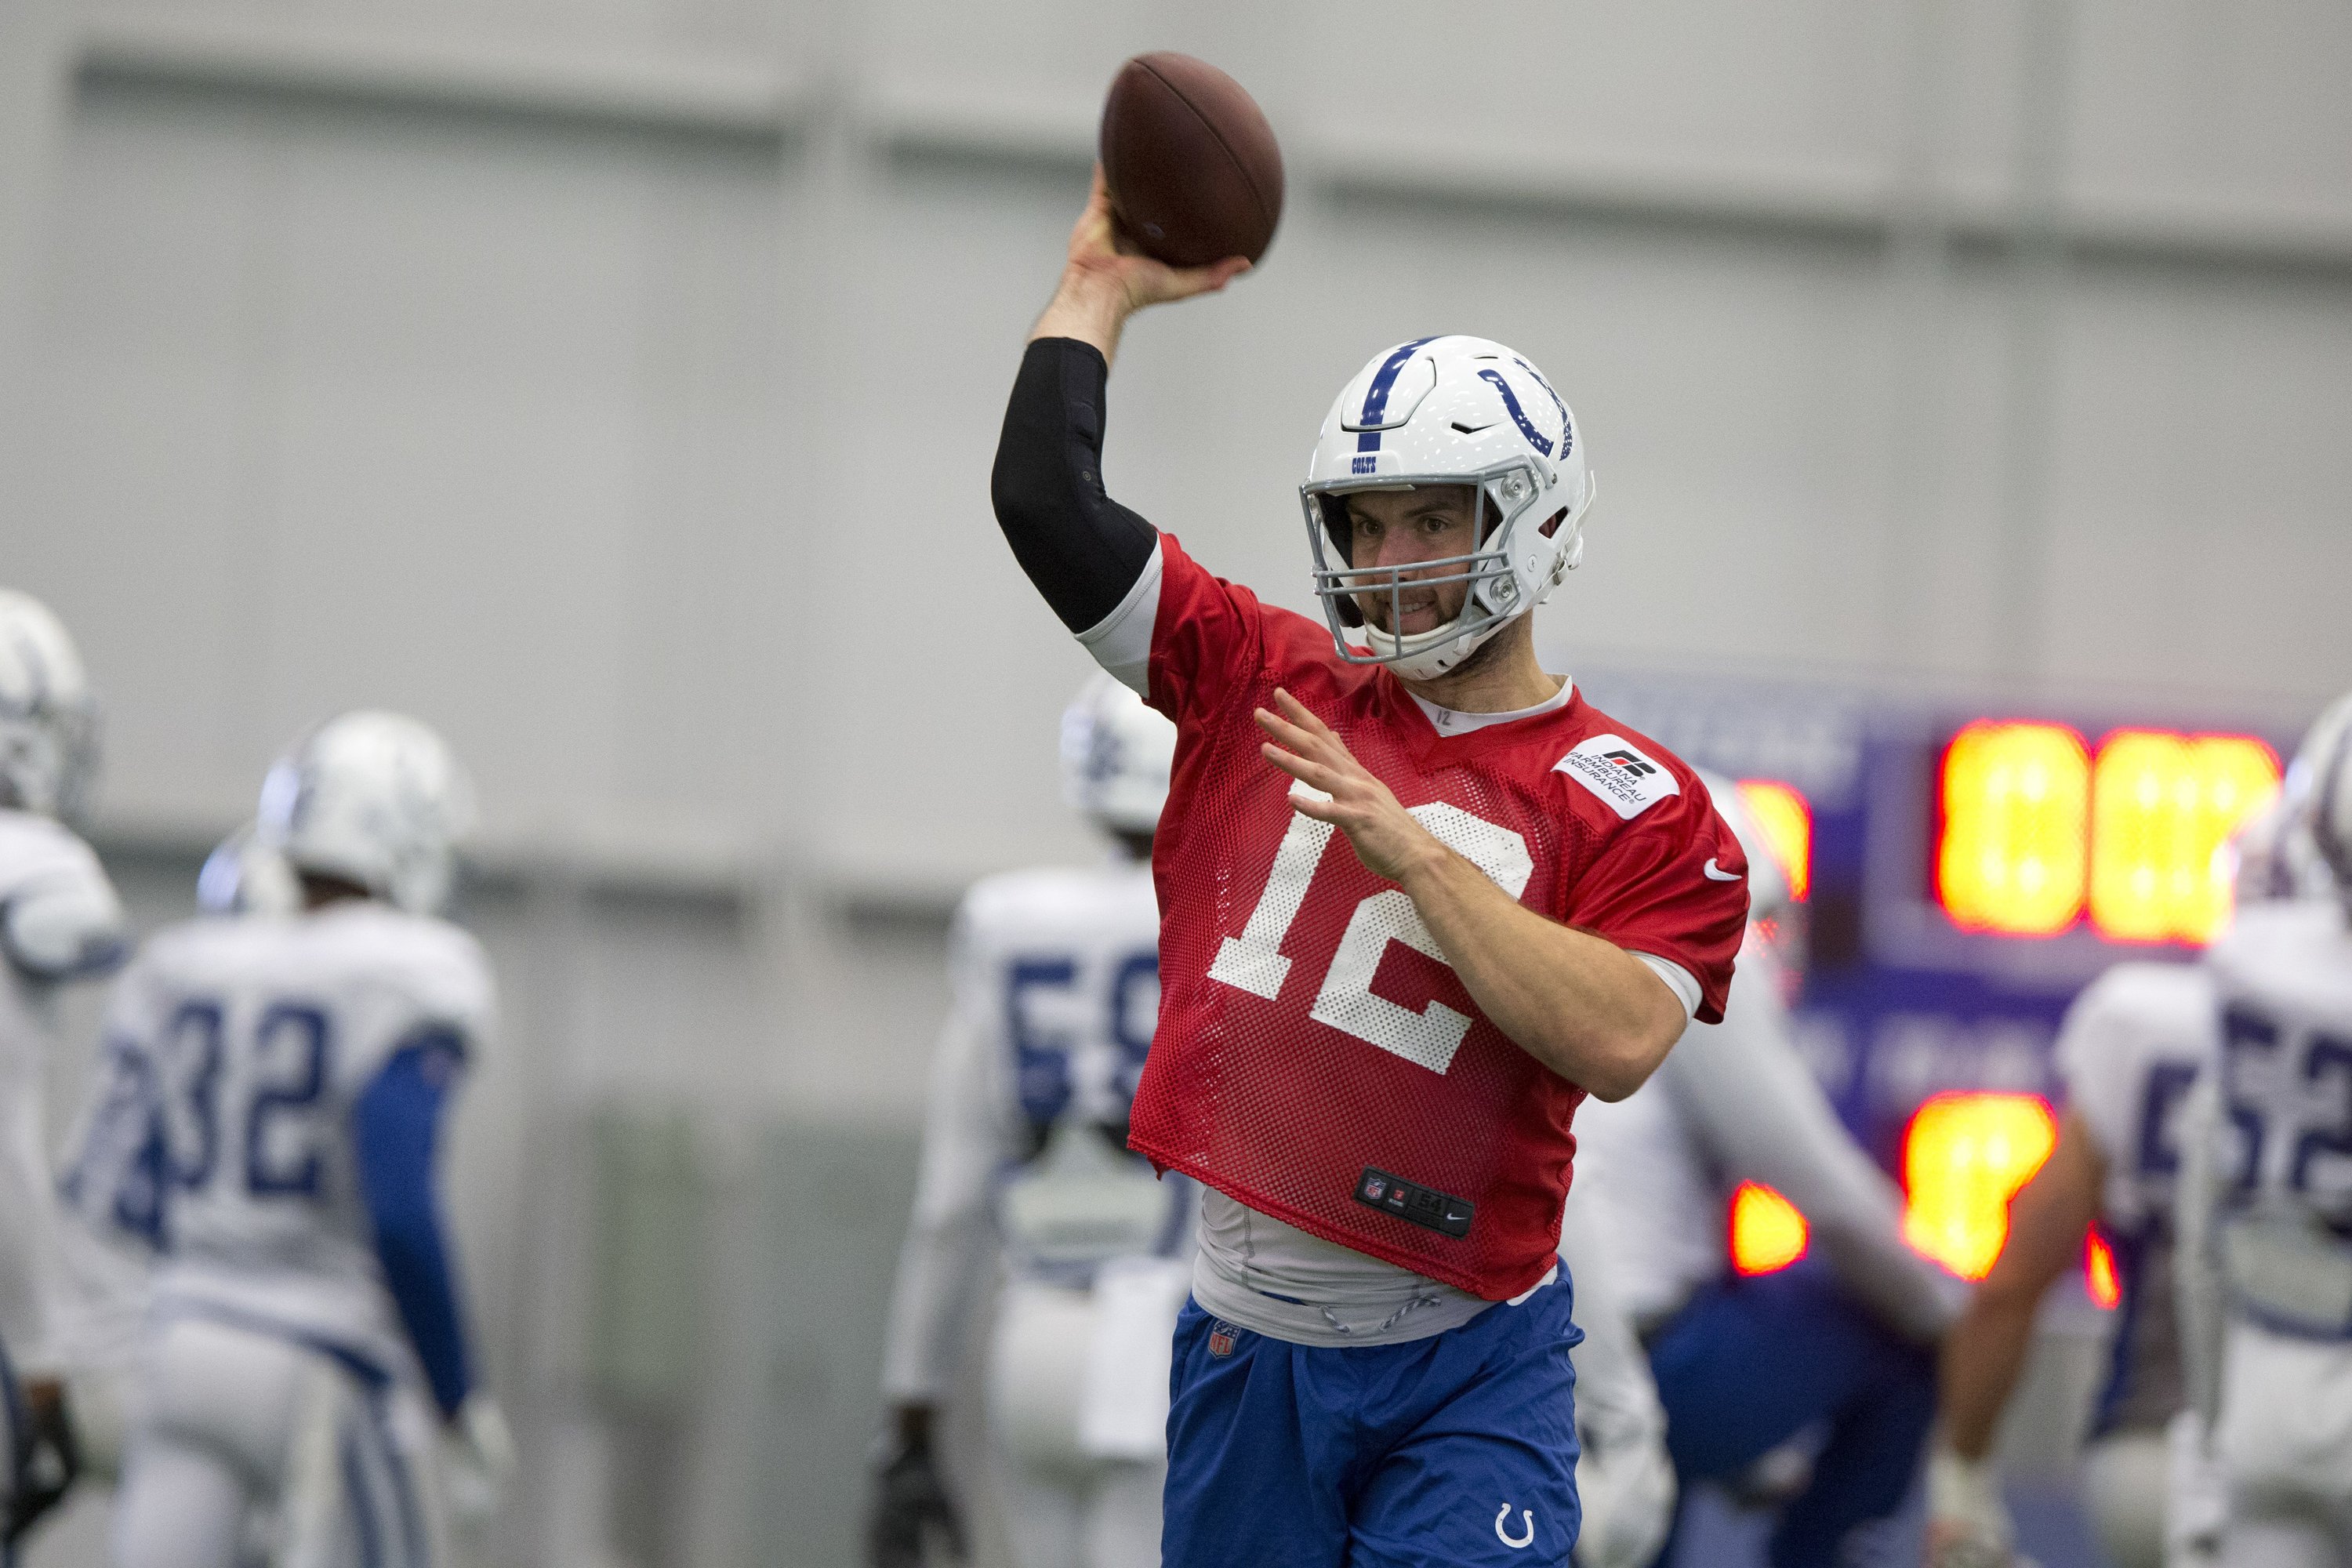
1254, 961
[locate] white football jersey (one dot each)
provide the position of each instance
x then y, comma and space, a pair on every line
2284, 978
1055, 978
59, 921
2131, 1048
236, 1050
2133, 1045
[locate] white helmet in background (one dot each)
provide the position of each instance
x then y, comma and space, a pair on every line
374, 798
49, 720
243, 876
1115, 757
2277, 854
1449, 411
2331, 808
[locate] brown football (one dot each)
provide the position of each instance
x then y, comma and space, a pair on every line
1193, 170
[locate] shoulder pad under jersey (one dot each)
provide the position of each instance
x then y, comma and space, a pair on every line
444, 972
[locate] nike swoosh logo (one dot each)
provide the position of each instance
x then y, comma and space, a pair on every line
1714, 874
1474, 429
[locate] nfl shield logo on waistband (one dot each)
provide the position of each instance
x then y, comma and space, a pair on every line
1220, 1340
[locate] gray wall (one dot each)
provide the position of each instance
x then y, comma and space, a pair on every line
614, 384
625, 403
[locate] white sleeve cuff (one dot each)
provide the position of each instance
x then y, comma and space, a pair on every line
1678, 980
1121, 641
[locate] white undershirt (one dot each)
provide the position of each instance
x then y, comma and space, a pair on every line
1452, 721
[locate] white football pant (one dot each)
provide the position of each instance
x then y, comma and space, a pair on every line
2124, 1481
1063, 1503
2285, 1442
243, 1440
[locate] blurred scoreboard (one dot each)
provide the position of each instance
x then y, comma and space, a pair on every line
1959, 875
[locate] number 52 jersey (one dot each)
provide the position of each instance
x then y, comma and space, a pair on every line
1316, 1058
239, 1053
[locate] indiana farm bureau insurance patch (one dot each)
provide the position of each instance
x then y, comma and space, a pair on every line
1611, 766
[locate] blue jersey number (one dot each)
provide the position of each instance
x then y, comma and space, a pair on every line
190, 1059
1042, 1058
2253, 1039
2167, 1085
2245, 1035
2328, 1058
290, 1048
289, 1051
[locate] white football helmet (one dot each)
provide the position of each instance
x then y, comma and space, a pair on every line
1449, 411
1115, 757
2331, 806
2276, 852
49, 720
372, 797
243, 876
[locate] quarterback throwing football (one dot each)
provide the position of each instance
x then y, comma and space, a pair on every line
1369, 1054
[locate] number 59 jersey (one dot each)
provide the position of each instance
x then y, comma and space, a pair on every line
2133, 1047
240, 1050
1318, 1060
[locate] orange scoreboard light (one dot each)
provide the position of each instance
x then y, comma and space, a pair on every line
1768, 1233
2101, 1277
1785, 818
2035, 831
2162, 806
1964, 1157
2016, 814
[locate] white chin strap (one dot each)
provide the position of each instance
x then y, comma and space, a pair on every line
1424, 656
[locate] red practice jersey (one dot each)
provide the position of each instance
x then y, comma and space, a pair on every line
1316, 1058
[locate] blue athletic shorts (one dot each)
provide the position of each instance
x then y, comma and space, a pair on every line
1455, 1449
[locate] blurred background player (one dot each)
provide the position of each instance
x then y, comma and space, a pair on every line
112, 1189
59, 922
2265, 1211
2129, 1053
1057, 983
269, 1123
1836, 1349
2132, 1050
1624, 1475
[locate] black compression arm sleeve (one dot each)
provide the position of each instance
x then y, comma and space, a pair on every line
1082, 548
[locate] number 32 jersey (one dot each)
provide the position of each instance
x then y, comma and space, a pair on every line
238, 1050
1316, 1058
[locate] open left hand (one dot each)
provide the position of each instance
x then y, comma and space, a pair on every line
1386, 837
